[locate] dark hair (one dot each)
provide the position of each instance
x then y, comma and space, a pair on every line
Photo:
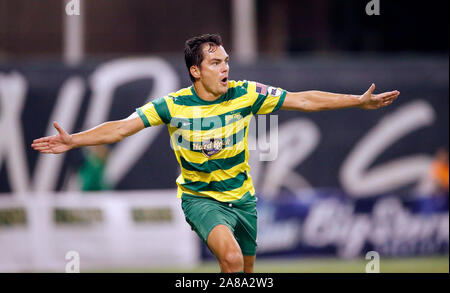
193, 54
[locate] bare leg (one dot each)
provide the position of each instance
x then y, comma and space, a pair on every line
249, 262
226, 249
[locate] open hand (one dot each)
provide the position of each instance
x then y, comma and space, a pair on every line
370, 101
56, 144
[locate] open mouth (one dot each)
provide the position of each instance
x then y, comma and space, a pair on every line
224, 80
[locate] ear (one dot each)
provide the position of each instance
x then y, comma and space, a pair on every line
195, 71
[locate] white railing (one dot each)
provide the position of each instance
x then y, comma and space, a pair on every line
108, 230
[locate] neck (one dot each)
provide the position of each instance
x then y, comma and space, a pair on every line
203, 93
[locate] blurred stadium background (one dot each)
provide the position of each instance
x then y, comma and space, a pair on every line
344, 182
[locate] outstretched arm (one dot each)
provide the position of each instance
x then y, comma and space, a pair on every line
108, 132
311, 101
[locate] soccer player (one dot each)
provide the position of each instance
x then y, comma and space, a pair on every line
208, 124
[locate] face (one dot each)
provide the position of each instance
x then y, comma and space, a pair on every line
214, 69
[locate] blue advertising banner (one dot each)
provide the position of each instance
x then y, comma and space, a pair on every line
329, 223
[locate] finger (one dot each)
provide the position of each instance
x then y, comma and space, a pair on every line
371, 88
392, 98
42, 139
386, 98
46, 152
387, 95
58, 128
41, 148
40, 144
386, 103
394, 93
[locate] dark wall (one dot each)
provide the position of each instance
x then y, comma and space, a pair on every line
30, 28
34, 28
124, 26
418, 79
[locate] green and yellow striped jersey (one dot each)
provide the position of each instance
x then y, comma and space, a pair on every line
210, 138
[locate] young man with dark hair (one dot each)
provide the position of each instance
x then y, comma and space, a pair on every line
208, 124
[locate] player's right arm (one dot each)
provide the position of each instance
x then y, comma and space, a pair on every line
105, 133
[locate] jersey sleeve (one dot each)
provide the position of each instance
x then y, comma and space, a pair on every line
268, 99
155, 112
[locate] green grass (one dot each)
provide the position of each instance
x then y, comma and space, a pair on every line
438, 264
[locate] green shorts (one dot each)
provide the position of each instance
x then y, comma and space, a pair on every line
240, 216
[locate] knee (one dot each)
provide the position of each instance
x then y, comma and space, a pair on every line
233, 260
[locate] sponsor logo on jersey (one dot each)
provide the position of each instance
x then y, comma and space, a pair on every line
212, 146
197, 146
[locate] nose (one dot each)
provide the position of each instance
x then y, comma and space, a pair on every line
225, 67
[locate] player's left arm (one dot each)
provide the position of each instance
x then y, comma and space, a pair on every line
311, 101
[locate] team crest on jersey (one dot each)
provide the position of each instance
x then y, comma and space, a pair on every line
212, 146
274, 92
233, 118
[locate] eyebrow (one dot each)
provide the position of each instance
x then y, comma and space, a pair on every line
217, 59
